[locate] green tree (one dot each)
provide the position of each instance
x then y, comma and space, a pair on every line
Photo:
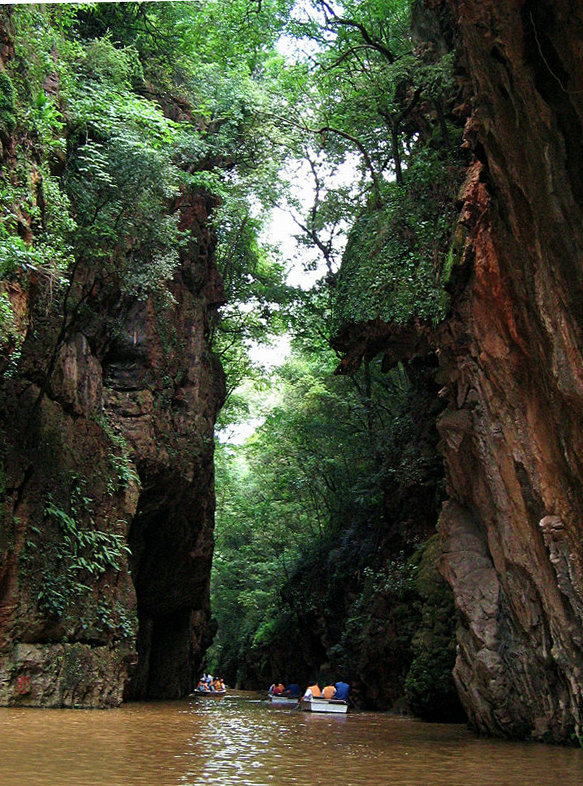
375, 100
128, 105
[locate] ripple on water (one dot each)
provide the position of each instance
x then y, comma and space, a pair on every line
242, 741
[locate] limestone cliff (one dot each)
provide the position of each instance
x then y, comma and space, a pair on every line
111, 446
106, 474
511, 369
511, 358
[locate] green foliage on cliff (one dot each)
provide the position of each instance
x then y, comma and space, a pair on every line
429, 684
8, 331
71, 553
377, 101
7, 116
123, 472
120, 181
393, 267
122, 109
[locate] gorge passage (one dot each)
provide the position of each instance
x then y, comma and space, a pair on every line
133, 140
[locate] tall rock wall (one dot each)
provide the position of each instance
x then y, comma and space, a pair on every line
511, 365
511, 359
106, 428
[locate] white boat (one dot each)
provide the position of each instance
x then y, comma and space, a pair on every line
325, 705
278, 700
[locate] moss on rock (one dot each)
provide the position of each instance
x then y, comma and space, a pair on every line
429, 685
7, 108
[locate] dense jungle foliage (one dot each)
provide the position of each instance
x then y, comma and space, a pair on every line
114, 109
325, 564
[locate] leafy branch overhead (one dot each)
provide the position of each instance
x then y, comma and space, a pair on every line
152, 98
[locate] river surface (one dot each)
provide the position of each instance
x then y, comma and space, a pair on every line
239, 739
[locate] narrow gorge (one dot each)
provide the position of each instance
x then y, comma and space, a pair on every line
112, 383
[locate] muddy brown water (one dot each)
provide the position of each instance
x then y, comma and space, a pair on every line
239, 739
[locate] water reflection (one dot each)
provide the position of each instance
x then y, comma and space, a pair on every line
238, 740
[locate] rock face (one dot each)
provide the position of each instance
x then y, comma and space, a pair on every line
511, 360
107, 441
511, 368
171, 431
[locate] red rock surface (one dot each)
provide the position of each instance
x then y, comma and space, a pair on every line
109, 422
511, 369
511, 358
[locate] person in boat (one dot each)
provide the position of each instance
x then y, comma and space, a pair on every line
342, 690
218, 685
312, 692
329, 692
202, 686
276, 689
292, 690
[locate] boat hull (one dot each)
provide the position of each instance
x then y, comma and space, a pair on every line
210, 694
283, 701
325, 705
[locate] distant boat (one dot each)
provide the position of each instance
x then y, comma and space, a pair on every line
277, 700
213, 694
336, 706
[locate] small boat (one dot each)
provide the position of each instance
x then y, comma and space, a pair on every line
336, 706
212, 694
277, 700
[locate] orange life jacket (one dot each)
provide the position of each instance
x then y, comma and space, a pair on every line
329, 691
316, 692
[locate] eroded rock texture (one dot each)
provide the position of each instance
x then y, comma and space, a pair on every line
107, 441
511, 360
511, 367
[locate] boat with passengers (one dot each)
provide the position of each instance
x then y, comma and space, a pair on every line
332, 699
216, 694
320, 704
207, 686
279, 696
